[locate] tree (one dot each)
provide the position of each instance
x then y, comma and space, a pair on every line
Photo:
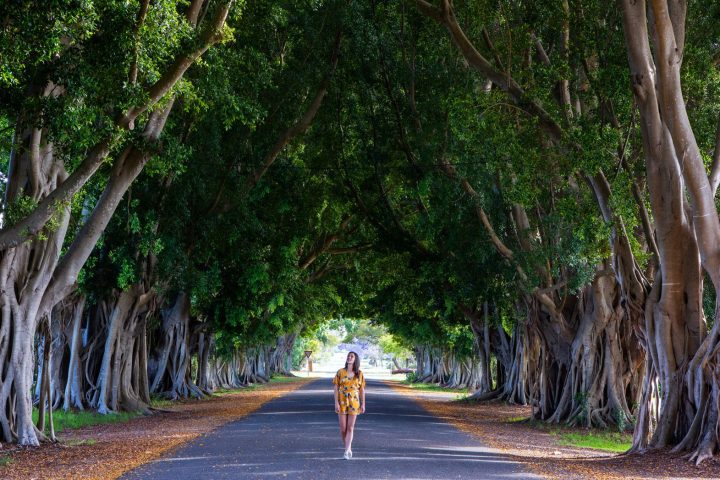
682, 355
71, 78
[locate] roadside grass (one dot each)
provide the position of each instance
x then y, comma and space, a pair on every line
517, 419
230, 391
284, 379
596, 439
160, 402
77, 419
431, 387
79, 443
71, 419
255, 386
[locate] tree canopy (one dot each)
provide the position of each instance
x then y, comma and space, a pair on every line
522, 193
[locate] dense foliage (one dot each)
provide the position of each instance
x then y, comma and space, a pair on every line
193, 190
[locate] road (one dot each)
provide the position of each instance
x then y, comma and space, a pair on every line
296, 436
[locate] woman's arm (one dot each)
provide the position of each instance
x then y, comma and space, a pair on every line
362, 399
337, 405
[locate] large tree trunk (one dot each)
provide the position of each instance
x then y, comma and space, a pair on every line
281, 354
111, 355
122, 379
60, 325
25, 273
255, 364
63, 367
33, 280
515, 362
73, 397
172, 376
206, 348
461, 372
425, 369
682, 358
227, 372
481, 335
594, 380
419, 353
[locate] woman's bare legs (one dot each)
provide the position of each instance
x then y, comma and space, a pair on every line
350, 427
343, 426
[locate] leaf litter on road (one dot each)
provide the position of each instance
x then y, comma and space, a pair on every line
540, 448
109, 450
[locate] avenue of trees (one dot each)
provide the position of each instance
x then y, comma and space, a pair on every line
521, 192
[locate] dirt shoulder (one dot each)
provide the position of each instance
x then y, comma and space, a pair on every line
108, 451
540, 450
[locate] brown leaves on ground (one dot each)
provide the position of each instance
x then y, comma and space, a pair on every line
107, 451
540, 451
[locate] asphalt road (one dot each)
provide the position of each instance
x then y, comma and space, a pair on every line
297, 437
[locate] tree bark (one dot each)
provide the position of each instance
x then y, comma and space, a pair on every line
172, 377
682, 358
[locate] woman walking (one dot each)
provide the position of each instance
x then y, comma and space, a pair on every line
349, 399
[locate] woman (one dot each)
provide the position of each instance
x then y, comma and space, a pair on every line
349, 399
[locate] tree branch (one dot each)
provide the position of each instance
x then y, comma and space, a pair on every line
322, 247
210, 36
125, 170
715, 169
142, 14
500, 246
193, 12
35, 221
491, 47
675, 117
303, 124
352, 249
446, 17
31, 225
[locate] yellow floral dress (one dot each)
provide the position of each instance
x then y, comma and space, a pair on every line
349, 391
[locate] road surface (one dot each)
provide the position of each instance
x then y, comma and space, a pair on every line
297, 436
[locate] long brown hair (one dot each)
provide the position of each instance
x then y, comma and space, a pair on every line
356, 363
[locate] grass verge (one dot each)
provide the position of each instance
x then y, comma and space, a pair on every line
229, 391
70, 420
255, 386
516, 419
606, 441
431, 387
283, 379
81, 442
160, 402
